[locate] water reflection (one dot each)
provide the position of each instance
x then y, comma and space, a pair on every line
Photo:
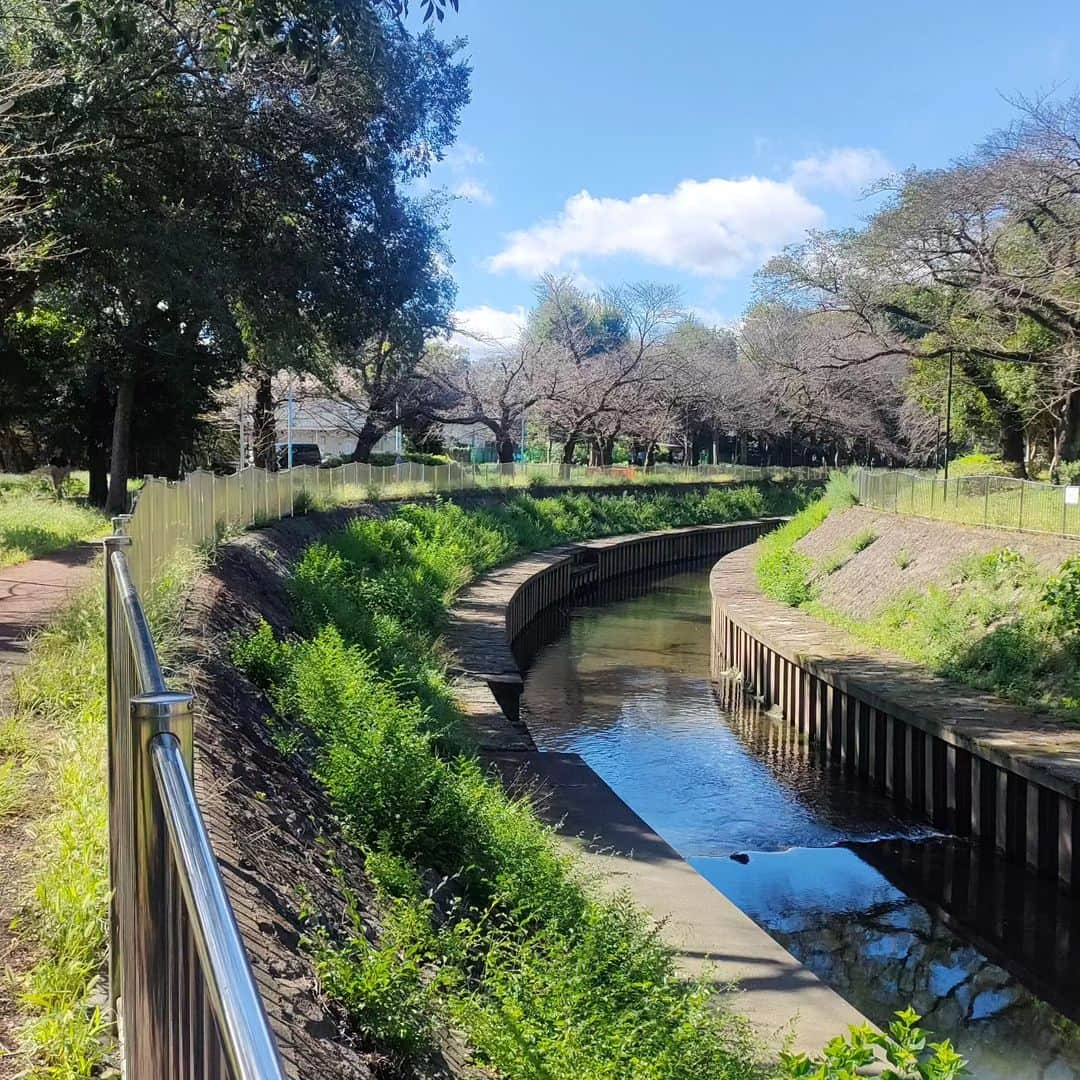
882, 908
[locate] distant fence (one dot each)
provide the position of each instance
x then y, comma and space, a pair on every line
170, 516
1000, 501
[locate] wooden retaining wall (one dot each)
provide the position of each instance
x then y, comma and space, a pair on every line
962, 760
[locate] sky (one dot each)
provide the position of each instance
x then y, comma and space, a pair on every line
638, 140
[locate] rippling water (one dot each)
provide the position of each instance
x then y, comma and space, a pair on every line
884, 909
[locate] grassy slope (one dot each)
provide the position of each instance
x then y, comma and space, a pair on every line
989, 624
546, 977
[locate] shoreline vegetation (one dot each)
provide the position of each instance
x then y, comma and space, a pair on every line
994, 622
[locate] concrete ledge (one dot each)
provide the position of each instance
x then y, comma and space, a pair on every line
783, 999
964, 759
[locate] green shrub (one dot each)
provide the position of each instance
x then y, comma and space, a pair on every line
904, 1047
840, 490
903, 558
979, 464
1061, 595
1069, 472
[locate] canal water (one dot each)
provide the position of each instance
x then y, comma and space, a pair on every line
883, 908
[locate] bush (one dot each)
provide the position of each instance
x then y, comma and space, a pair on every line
904, 1046
1061, 595
1069, 472
979, 464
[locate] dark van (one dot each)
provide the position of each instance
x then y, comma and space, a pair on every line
302, 454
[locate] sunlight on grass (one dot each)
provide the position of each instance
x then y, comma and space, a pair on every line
33, 525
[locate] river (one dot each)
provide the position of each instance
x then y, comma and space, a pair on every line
886, 910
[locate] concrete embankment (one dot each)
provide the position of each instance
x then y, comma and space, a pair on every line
779, 995
963, 759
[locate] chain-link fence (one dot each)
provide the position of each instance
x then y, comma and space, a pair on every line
1001, 501
169, 516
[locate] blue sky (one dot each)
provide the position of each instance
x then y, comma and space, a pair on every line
643, 140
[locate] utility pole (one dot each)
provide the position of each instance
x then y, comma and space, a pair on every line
948, 414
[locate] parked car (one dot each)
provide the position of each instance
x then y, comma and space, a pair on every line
302, 454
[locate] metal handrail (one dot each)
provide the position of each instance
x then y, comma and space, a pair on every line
245, 1033
184, 996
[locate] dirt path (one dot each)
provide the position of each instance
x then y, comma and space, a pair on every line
31, 594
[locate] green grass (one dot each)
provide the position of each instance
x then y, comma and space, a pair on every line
54, 739
784, 573
992, 623
545, 976
32, 525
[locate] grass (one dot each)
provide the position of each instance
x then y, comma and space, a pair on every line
994, 623
786, 574
54, 740
32, 525
546, 977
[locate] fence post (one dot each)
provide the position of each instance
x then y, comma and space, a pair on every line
1020, 512
114, 768
986, 500
154, 899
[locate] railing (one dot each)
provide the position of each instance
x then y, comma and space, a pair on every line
182, 991
1000, 501
170, 516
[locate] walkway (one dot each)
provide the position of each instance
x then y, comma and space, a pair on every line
31, 595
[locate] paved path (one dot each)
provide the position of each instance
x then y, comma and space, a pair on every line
32, 593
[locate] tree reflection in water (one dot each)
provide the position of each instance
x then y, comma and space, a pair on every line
883, 909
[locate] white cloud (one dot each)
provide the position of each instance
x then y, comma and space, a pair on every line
463, 156
713, 227
473, 191
847, 170
484, 328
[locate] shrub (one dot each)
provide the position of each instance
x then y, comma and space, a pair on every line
903, 558
979, 464
1061, 595
1069, 472
904, 1046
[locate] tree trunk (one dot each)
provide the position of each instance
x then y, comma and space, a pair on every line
568, 450
504, 446
1009, 417
117, 501
369, 435
264, 432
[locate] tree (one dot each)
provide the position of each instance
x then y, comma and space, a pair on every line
221, 192
496, 390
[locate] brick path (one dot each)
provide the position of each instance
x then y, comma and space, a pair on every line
32, 593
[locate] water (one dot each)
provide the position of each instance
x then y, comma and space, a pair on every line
883, 908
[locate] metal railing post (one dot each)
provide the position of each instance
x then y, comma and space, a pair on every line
114, 695
146, 1001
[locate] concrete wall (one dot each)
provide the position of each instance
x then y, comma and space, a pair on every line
961, 759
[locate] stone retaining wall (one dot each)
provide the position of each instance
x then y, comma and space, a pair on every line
962, 759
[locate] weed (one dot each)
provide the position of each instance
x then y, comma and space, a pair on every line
903, 558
